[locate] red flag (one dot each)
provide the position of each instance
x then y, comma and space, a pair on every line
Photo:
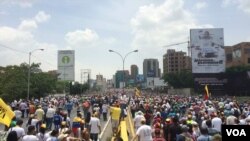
206, 93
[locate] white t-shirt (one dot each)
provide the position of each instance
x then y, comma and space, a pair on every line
230, 120
145, 133
203, 124
95, 123
18, 114
137, 120
34, 121
30, 138
42, 137
104, 108
50, 113
216, 123
20, 132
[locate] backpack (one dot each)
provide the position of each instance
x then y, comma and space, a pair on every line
12, 135
57, 119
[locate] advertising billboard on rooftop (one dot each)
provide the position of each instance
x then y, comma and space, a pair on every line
66, 65
207, 48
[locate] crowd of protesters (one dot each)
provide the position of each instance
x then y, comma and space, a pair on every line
156, 117
51, 118
179, 118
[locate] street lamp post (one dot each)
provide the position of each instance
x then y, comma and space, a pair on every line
123, 62
28, 94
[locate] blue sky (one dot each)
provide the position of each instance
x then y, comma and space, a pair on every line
92, 27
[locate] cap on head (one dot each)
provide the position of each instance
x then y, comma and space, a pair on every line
168, 120
43, 125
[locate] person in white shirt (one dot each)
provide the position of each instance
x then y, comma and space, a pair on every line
34, 122
19, 130
137, 119
204, 119
42, 136
144, 132
30, 134
49, 117
18, 113
104, 111
231, 120
22, 107
216, 122
95, 127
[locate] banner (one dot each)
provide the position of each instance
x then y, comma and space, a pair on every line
6, 114
66, 65
207, 48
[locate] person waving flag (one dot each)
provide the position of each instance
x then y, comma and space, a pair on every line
206, 97
137, 92
6, 114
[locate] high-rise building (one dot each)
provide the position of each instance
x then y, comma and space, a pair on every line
101, 83
238, 54
175, 61
119, 78
151, 68
134, 71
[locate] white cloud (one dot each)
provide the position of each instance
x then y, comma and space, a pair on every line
42, 17
155, 26
201, 5
31, 24
15, 36
244, 5
226, 3
28, 25
21, 3
22, 42
81, 38
3, 13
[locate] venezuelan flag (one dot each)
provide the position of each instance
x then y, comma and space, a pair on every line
206, 97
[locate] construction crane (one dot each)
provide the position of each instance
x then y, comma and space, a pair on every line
186, 42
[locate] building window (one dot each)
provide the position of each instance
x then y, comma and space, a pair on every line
247, 50
229, 57
248, 60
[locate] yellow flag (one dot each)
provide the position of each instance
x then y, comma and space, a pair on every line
206, 93
6, 114
137, 92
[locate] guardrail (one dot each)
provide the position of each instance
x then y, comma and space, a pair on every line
130, 122
125, 129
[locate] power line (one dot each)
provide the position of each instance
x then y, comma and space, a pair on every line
16, 50
20, 51
50, 64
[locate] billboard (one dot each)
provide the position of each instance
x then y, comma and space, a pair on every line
151, 73
207, 48
66, 65
140, 78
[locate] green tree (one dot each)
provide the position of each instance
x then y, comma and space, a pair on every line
13, 82
183, 79
78, 88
